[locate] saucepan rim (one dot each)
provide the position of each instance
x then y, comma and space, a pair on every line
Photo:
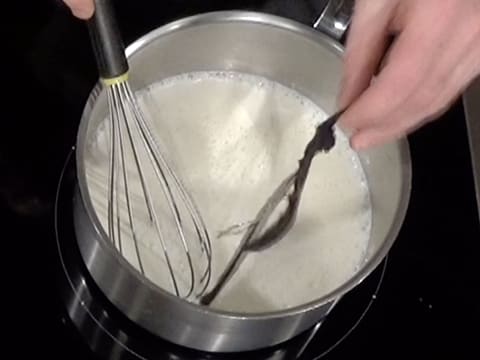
264, 19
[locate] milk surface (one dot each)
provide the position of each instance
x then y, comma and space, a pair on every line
232, 138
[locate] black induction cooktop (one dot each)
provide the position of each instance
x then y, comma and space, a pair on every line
421, 303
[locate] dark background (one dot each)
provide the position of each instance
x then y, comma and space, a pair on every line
428, 305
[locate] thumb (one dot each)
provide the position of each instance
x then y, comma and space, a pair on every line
366, 45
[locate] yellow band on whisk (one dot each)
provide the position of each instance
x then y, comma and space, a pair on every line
116, 80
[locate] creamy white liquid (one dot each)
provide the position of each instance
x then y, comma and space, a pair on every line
233, 138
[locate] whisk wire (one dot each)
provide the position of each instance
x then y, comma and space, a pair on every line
197, 221
167, 191
111, 169
128, 123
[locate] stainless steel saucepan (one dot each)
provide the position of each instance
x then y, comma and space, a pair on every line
294, 55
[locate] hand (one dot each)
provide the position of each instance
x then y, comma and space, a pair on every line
393, 90
82, 9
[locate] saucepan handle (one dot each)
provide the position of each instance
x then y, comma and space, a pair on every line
335, 18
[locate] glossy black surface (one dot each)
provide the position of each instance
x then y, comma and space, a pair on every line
428, 303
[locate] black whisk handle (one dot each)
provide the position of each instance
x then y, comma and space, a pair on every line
106, 40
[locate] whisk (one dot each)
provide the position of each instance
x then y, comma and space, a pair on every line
138, 174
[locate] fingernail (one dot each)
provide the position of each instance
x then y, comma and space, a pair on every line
82, 12
358, 144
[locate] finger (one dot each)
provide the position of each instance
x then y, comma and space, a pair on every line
82, 9
394, 88
385, 133
401, 125
459, 63
365, 47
